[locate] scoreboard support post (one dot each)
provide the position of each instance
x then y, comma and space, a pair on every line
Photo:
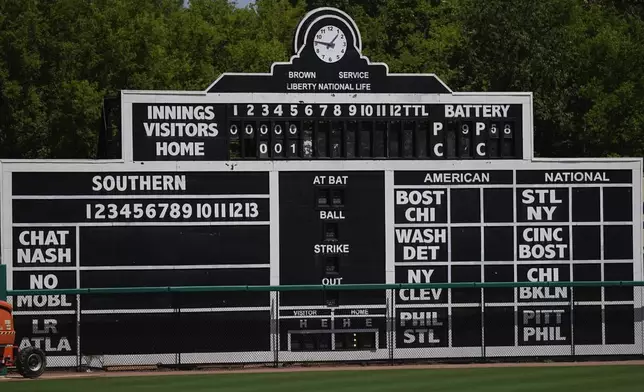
327, 170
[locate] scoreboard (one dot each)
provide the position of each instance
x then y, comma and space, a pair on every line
291, 131
327, 170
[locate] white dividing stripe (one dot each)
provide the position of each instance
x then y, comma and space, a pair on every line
510, 304
174, 267
217, 310
339, 316
120, 197
510, 186
390, 240
318, 307
42, 312
570, 267
145, 267
274, 233
449, 269
390, 255
601, 256
323, 165
183, 310
78, 285
518, 262
515, 251
37, 268
502, 224
116, 224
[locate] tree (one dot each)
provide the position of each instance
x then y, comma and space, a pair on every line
59, 59
582, 59
583, 63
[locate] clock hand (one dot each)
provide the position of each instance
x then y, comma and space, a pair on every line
324, 43
331, 44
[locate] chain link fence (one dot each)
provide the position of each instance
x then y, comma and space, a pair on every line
276, 326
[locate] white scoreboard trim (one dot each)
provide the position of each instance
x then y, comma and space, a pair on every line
273, 168
199, 97
8, 167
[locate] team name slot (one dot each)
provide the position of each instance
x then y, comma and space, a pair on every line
47, 336
422, 204
419, 327
543, 326
44, 247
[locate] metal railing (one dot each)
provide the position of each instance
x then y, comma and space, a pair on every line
276, 325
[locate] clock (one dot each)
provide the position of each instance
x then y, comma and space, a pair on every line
330, 44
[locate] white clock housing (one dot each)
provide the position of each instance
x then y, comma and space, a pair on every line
330, 44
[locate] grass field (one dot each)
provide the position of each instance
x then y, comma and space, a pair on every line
615, 378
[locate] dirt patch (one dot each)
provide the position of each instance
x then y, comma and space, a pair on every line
55, 374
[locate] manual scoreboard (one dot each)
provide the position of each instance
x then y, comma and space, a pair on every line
328, 170
253, 131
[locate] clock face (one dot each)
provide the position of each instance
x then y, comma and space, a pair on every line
330, 44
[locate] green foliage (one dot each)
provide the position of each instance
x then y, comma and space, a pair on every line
582, 59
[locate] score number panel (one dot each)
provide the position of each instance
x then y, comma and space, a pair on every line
286, 131
353, 131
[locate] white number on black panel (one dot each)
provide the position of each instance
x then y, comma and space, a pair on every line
234, 130
234, 210
507, 130
278, 149
138, 211
494, 132
292, 148
263, 150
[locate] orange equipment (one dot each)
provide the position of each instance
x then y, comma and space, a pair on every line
31, 361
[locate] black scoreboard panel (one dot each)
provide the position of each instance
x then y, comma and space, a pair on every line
323, 330
140, 229
506, 226
296, 131
332, 232
355, 223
